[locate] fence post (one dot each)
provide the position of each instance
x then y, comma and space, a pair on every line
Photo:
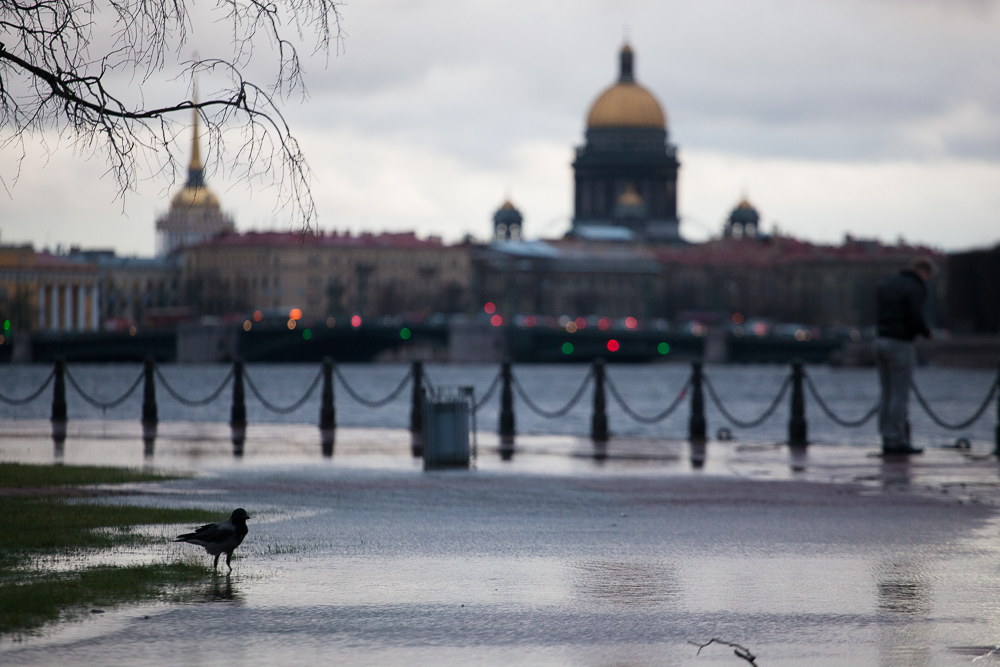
150, 416
996, 440
417, 411
59, 414
238, 416
696, 424
599, 421
797, 427
327, 413
506, 414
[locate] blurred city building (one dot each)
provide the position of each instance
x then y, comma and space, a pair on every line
326, 275
46, 292
625, 174
195, 215
974, 291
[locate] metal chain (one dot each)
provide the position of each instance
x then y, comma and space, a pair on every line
197, 402
369, 403
33, 396
99, 404
291, 408
489, 392
959, 426
555, 414
752, 423
640, 418
848, 423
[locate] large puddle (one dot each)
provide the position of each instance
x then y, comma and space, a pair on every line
554, 558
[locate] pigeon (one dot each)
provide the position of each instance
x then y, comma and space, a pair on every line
220, 537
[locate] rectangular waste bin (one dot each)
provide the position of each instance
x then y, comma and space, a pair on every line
446, 428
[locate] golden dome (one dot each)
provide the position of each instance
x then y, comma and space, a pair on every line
197, 195
626, 105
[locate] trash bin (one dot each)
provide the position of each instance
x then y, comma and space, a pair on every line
446, 427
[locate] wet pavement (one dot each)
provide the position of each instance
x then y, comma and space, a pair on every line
828, 557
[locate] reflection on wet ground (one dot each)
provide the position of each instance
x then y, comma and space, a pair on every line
827, 556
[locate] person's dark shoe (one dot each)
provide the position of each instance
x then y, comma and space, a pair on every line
902, 451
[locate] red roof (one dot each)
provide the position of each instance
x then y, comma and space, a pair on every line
385, 240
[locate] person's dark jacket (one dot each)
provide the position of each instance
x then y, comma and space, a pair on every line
901, 300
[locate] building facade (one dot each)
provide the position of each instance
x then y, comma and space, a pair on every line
45, 292
625, 174
326, 275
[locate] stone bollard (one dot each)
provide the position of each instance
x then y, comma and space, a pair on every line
327, 412
506, 414
797, 427
59, 414
599, 421
696, 424
150, 416
417, 411
238, 416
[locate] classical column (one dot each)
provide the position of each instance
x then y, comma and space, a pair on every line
67, 307
95, 307
81, 308
54, 293
41, 307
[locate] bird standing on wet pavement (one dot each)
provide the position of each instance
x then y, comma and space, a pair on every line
221, 537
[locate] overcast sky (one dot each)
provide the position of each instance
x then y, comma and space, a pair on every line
879, 118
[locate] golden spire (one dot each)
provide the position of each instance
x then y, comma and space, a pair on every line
196, 144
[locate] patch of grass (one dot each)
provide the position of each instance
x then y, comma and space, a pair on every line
33, 526
29, 605
19, 476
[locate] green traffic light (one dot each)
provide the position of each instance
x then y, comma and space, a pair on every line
663, 348
307, 334
567, 348
404, 333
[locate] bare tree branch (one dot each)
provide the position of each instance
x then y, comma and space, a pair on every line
739, 651
54, 76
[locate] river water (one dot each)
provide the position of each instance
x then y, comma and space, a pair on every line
745, 390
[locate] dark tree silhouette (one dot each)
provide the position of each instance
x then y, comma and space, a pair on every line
84, 69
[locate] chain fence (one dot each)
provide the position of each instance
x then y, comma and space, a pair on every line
554, 414
288, 409
753, 422
28, 399
368, 403
193, 403
104, 405
489, 392
681, 395
960, 425
836, 419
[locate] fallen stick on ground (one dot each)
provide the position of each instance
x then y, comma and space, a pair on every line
739, 651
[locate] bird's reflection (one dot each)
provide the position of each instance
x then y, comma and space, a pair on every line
221, 590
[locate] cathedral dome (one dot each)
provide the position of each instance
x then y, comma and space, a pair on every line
197, 195
626, 104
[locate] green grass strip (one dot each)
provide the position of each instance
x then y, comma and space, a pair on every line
19, 476
29, 605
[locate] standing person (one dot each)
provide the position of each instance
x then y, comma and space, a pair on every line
901, 301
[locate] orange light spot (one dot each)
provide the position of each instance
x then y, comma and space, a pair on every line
257, 316
247, 325
291, 324
295, 314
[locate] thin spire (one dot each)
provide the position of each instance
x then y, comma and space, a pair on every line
196, 173
626, 75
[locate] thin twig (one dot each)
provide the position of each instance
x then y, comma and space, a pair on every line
739, 651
